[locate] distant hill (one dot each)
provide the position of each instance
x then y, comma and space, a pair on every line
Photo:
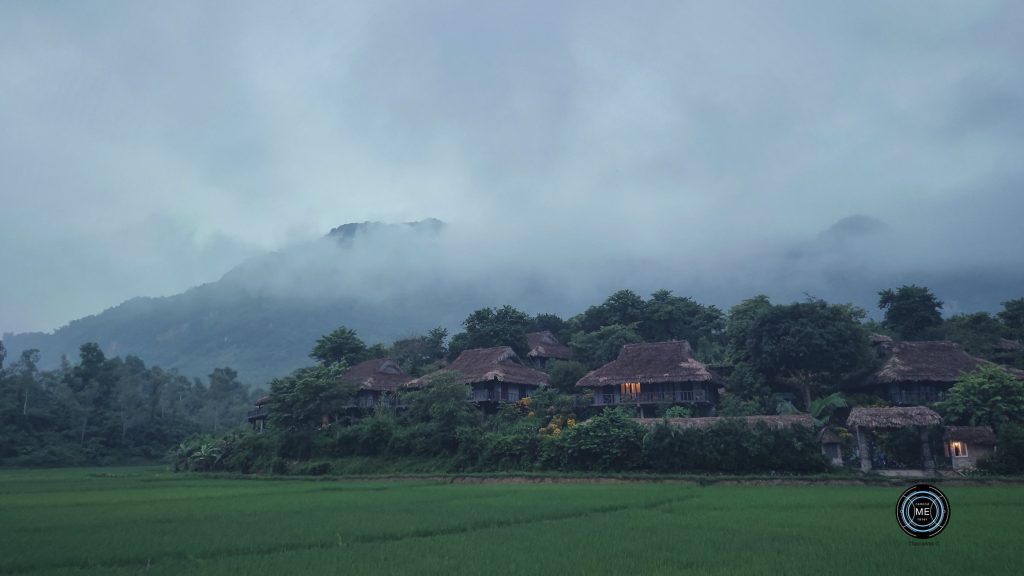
389, 281
263, 317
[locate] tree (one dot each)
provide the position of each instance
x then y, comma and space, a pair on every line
341, 345
302, 400
624, 307
505, 326
978, 333
738, 323
550, 322
419, 351
911, 311
564, 374
226, 398
809, 344
602, 346
1012, 317
3, 354
990, 396
667, 317
438, 411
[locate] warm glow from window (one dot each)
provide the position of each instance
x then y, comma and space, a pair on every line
959, 449
630, 389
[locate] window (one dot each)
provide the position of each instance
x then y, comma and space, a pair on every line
630, 389
958, 449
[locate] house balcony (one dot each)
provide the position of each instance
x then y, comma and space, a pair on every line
916, 397
494, 396
666, 397
258, 413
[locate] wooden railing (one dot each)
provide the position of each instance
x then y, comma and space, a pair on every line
912, 398
258, 413
677, 396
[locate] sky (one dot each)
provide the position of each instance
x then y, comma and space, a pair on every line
149, 147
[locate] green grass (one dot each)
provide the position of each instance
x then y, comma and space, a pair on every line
146, 520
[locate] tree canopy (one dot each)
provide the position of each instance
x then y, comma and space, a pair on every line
911, 311
811, 343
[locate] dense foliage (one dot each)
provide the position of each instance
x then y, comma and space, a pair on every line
778, 359
107, 410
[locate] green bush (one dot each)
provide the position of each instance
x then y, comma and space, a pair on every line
1009, 455
610, 441
732, 447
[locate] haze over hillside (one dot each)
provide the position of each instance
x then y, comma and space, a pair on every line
391, 281
196, 154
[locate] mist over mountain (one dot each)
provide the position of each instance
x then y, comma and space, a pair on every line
389, 281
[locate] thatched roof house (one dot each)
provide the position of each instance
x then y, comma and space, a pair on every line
774, 422
975, 434
495, 374
649, 363
893, 417
918, 372
379, 374
653, 373
375, 378
934, 361
544, 346
965, 445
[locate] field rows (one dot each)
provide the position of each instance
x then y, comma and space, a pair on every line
148, 521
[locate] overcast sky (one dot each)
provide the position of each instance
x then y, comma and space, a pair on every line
146, 147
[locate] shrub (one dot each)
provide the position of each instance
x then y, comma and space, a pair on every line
609, 441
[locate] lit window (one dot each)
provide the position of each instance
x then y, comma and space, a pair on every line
630, 389
959, 449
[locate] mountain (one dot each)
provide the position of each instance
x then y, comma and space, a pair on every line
263, 317
390, 281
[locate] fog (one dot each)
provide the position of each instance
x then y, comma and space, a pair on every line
570, 148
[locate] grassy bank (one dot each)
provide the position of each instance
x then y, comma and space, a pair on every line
132, 520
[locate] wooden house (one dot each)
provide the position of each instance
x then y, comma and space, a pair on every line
647, 374
257, 416
965, 445
917, 373
378, 380
494, 375
544, 347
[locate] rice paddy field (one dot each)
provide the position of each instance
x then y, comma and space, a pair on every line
149, 521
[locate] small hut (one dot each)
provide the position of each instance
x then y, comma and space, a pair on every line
965, 445
831, 446
868, 419
257, 416
917, 373
377, 380
544, 347
645, 375
494, 374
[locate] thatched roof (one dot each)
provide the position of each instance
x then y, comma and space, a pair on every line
971, 434
1007, 345
936, 361
896, 417
545, 345
650, 363
773, 422
487, 364
380, 374
262, 400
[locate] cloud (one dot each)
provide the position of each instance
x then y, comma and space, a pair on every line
149, 148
